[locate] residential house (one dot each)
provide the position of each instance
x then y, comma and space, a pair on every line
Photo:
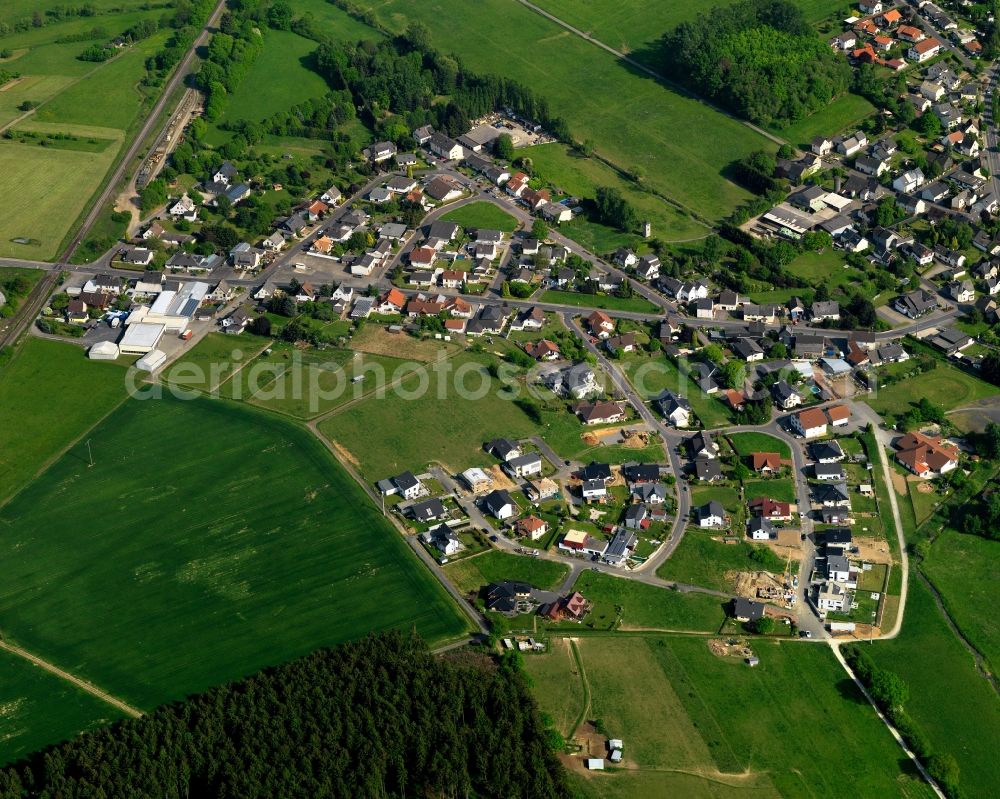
711, 514
531, 527
768, 508
674, 408
593, 490
924, 50
746, 610
829, 471
500, 504
600, 324
765, 462
526, 465
428, 511
760, 528
785, 397
915, 304
832, 495
380, 151
810, 423
926, 456
443, 539
600, 412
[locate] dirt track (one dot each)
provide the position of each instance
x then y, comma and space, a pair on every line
83, 685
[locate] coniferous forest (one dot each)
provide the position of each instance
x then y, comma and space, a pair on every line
380, 717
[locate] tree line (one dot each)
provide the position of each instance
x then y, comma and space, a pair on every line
379, 717
758, 58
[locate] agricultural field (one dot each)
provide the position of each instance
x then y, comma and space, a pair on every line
967, 725
963, 568
77, 394
700, 725
212, 361
98, 103
698, 560
745, 443
482, 215
634, 26
579, 176
223, 540
647, 606
37, 709
426, 420
471, 574
651, 124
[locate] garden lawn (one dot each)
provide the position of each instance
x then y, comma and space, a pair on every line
647, 606
413, 432
605, 301
702, 494
780, 488
471, 574
967, 725
821, 267
745, 443
651, 376
963, 568
698, 560
482, 215
37, 709
573, 174
50, 395
652, 126
214, 540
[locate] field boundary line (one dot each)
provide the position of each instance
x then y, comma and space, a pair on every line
835, 646
80, 683
587, 695
981, 661
649, 71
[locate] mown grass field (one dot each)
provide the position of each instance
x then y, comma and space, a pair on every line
50, 395
647, 606
428, 421
745, 443
963, 717
53, 185
963, 568
697, 725
946, 386
845, 112
822, 267
208, 540
573, 174
653, 128
698, 560
38, 709
279, 78
471, 574
779, 488
482, 215
607, 302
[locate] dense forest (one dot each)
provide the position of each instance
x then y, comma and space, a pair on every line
381, 717
757, 58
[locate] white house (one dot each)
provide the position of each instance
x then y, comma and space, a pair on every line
810, 423
500, 504
909, 181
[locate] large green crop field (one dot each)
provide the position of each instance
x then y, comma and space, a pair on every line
50, 394
963, 568
208, 540
950, 701
681, 146
38, 708
698, 725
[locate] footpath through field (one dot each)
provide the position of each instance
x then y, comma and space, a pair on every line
83, 685
651, 72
